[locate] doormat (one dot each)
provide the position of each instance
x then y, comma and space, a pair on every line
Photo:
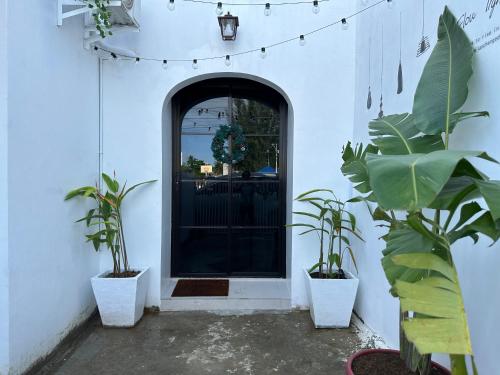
201, 288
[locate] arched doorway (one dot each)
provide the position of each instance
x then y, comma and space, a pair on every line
228, 200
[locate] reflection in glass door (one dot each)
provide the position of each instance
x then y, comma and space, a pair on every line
229, 200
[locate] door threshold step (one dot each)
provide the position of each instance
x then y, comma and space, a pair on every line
245, 295
217, 304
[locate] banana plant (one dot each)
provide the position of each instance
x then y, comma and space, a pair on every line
106, 216
332, 223
411, 168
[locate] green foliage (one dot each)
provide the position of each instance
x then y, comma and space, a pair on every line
192, 166
398, 135
446, 75
331, 222
411, 182
410, 168
101, 15
107, 218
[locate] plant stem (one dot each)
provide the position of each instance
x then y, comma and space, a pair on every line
321, 257
437, 219
124, 249
458, 366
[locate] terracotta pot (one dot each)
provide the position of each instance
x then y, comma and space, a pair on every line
348, 367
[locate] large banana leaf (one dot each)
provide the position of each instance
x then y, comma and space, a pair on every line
404, 240
442, 89
439, 298
484, 224
490, 190
398, 135
354, 166
411, 182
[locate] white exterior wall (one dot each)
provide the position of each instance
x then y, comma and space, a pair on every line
52, 136
53, 147
4, 255
316, 78
478, 265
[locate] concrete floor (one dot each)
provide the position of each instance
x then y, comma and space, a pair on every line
203, 343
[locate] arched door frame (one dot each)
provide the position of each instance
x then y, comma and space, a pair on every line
198, 92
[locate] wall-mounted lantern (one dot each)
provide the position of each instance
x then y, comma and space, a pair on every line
228, 26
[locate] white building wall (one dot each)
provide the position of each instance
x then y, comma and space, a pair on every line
478, 265
317, 78
53, 147
4, 255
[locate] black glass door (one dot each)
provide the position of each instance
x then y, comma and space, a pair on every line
228, 193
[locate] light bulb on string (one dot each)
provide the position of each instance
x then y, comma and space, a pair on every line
390, 4
164, 65
345, 25
171, 4
113, 55
228, 60
315, 8
263, 52
137, 59
195, 64
219, 10
267, 9
302, 40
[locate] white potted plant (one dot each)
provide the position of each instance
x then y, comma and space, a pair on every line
330, 288
120, 293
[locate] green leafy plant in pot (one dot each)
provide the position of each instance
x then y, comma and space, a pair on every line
331, 289
123, 283
410, 168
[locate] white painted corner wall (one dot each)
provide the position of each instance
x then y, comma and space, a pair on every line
52, 136
478, 265
4, 254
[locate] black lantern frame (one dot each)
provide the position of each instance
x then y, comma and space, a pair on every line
228, 26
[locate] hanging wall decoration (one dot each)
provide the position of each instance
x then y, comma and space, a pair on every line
424, 44
400, 69
381, 113
369, 99
229, 144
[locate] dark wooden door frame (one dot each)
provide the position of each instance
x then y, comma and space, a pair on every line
196, 93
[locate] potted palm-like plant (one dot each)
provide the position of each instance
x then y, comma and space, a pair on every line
443, 197
120, 293
330, 288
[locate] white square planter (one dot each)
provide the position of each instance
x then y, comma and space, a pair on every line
331, 301
121, 300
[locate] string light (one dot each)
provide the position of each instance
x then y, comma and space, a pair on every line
390, 4
137, 59
345, 25
171, 4
262, 50
228, 60
230, 3
315, 7
164, 65
267, 9
219, 10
